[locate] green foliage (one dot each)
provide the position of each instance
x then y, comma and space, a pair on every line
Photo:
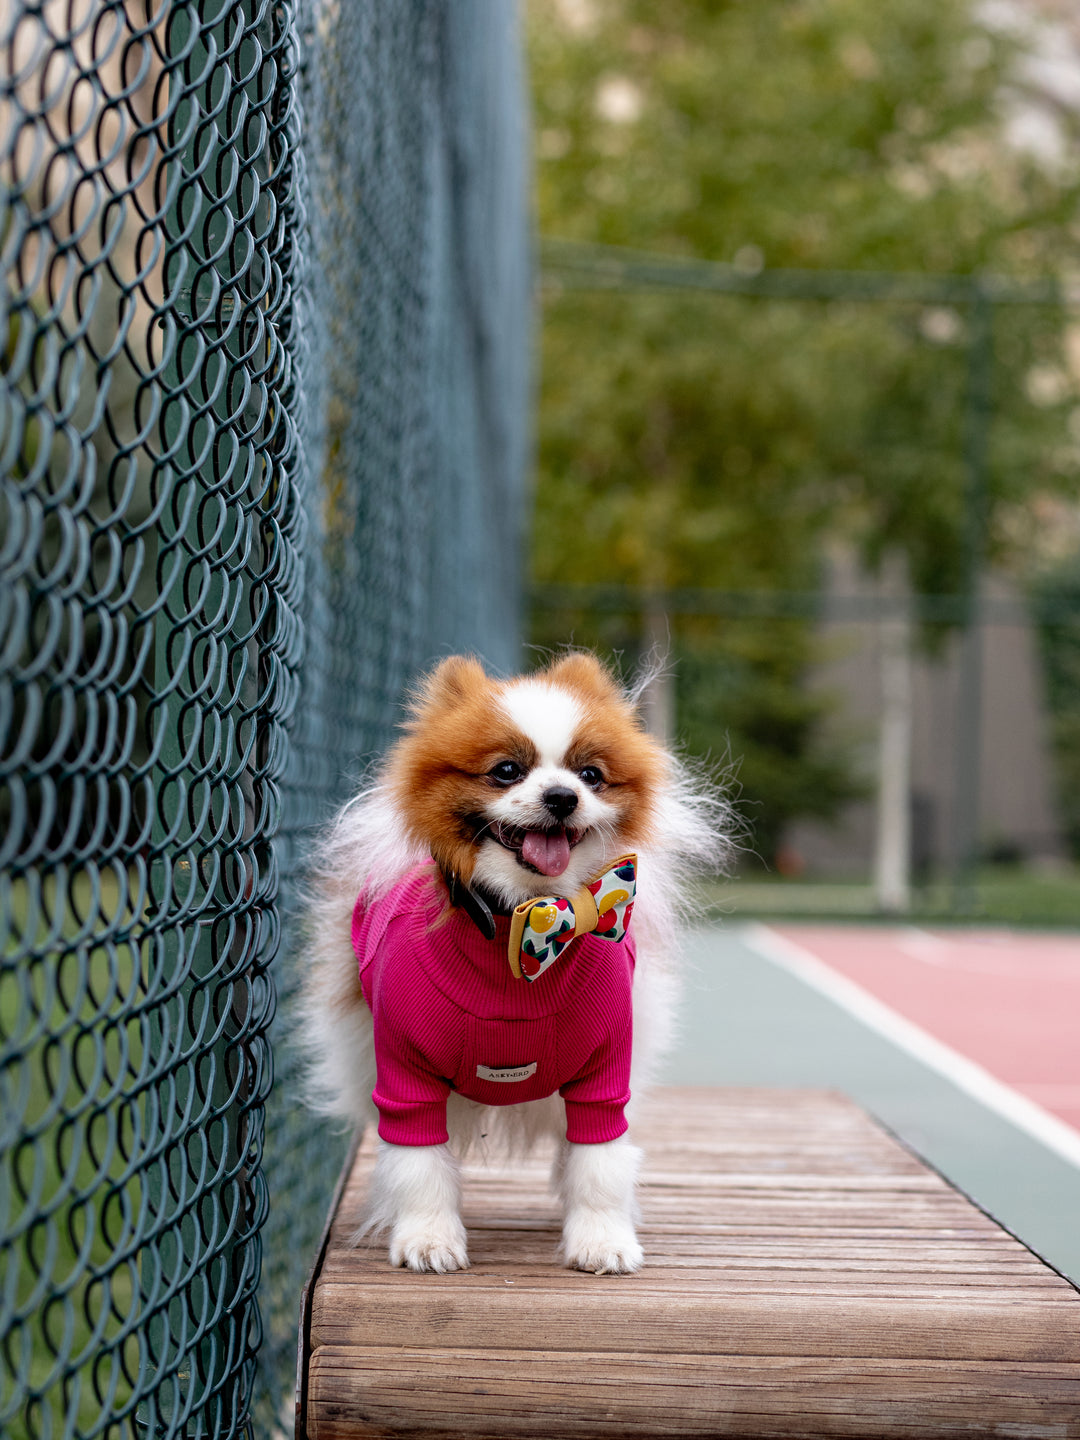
824, 132
751, 693
999, 895
691, 440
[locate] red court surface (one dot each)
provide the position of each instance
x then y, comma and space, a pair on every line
1007, 1000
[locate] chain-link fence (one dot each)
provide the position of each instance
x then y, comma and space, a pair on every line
845, 504
265, 289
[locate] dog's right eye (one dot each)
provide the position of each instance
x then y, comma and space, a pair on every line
506, 772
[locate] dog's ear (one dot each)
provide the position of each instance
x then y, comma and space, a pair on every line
453, 680
584, 673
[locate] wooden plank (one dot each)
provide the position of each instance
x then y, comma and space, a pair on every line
487, 1395
806, 1275
708, 1322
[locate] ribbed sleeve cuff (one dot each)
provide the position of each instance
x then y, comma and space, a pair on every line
412, 1122
593, 1122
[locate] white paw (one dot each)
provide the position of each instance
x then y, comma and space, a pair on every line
603, 1244
426, 1244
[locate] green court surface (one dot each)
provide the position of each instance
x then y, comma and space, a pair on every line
747, 1020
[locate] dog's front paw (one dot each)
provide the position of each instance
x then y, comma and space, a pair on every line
602, 1244
433, 1245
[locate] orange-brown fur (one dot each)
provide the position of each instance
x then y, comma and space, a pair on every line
455, 734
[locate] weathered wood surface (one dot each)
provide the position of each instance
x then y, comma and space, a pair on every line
805, 1276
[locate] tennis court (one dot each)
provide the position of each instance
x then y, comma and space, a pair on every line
962, 1042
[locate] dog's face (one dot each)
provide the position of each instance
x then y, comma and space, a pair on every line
528, 785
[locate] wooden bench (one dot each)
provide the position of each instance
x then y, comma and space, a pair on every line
805, 1276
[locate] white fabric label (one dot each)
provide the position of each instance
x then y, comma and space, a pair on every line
508, 1076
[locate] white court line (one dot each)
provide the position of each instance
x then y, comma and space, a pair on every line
921, 945
964, 1073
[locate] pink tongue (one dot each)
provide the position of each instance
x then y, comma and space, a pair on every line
546, 850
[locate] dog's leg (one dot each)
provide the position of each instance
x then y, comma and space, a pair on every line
596, 1185
416, 1195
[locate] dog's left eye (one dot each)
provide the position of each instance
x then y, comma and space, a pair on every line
506, 772
591, 775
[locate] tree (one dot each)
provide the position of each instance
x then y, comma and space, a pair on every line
690, 441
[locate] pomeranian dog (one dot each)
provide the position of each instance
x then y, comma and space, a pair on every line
493, 919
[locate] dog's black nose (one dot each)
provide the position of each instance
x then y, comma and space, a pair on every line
561, 801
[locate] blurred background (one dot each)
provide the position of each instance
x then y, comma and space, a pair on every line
335, 338
809, 424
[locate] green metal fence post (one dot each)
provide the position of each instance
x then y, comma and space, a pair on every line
968, 740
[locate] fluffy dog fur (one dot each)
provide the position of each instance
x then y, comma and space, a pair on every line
436, 795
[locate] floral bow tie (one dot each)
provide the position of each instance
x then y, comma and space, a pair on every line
541, 928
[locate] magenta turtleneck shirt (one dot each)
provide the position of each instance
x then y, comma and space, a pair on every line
450, 1015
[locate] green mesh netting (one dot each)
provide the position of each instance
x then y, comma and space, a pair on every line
265, 340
